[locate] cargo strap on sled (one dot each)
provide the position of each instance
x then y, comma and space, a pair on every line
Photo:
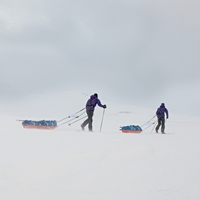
43, 124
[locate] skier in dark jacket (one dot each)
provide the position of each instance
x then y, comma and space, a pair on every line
90, 106
161, 111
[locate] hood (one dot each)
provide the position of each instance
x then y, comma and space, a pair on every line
93, 97
162, 105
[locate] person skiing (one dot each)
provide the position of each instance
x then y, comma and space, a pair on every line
90, 106
160, 113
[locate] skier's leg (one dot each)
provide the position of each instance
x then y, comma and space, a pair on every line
86, 121
158, 126
90, 115
163, 125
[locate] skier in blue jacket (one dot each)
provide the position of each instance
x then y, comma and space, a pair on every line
90, 106
161, 111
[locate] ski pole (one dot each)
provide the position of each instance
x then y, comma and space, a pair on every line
153, 127
102, 119
69, 116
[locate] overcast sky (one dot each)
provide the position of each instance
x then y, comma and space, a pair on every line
138, 52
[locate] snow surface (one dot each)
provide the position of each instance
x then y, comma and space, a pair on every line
67, 163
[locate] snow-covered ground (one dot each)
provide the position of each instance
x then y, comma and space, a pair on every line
67, 163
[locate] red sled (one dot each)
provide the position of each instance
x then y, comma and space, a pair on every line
43, 124
131, 129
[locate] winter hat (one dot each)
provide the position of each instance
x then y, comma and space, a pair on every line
96, 95
162, 104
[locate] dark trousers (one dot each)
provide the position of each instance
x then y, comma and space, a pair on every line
161, 122
89, 120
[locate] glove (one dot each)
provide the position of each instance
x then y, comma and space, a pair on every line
104, 106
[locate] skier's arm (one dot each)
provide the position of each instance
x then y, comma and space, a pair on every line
99, 104
167, 113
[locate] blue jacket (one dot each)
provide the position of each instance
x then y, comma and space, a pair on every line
92, 102
161, 111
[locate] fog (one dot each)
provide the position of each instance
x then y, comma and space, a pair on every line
133, 52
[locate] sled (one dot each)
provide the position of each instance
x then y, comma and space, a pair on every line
131, 129
43, 124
